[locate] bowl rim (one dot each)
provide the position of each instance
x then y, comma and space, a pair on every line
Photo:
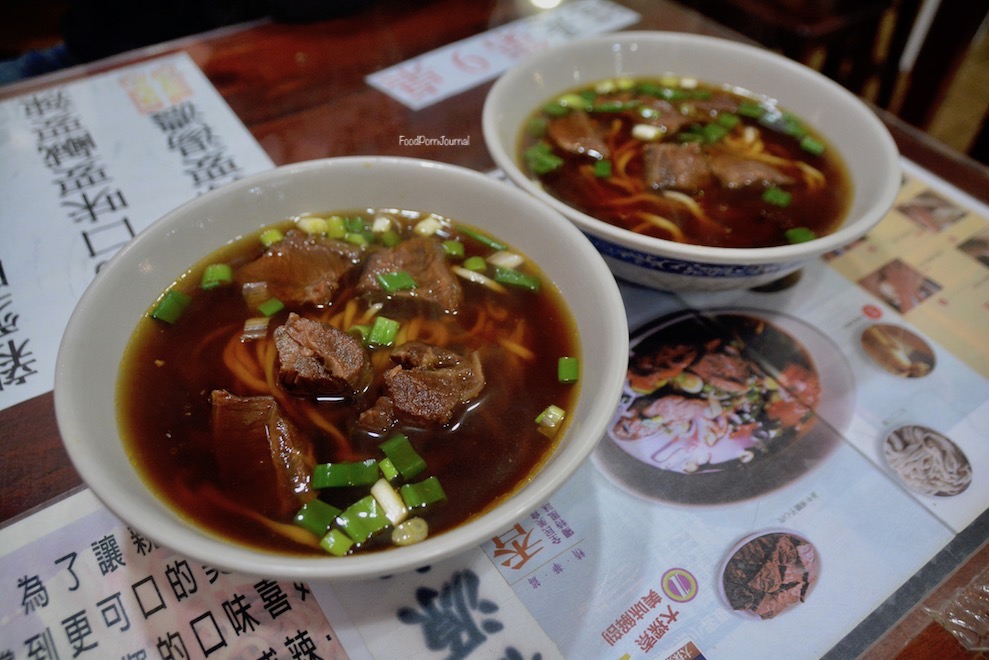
501, 91
169, 527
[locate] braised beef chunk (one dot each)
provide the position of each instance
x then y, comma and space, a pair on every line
734, 171
317, 358
717, 103
425, 261
662, 114
265, 463
428, 384
678, 167
302, 268
379, 418
578, 134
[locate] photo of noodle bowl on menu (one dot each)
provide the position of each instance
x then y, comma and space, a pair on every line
726, 405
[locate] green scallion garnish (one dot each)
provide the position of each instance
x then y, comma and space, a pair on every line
271, 306
568, 369
513, 277
777, 197
316, 516
540, 158
800, 235
215, 275
395, 281
602, 169
171, 306
422, 494
345, 473
403, 455
383, 331
271, 236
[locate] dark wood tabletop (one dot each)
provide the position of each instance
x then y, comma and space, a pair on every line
300, 90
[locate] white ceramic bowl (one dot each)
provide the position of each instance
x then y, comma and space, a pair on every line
102, 324
845, 121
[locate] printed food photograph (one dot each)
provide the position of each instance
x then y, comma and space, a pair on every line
770, 573
724, 406
927, 462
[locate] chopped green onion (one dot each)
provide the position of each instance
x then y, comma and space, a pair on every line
335, 227
483, 238
568, 369
728, 119
362, 519
383, 331
355, 238
313, 225
390, 238
422, 494
812, 146
389, 501
361, 330
353, 473
428, 225
602, 169
549, 420
476, 264
516, 278
505, 259
453, 248
647, 132
536, 127
403, 455
388, 469
800, 235
171, 306
540, 158
271, 306
336, 543
751, 109
354, 224
215, 275
316, 516
255, 327
555, 109
271, 236
613, 106
714, 132
573, 101
777, 197
398, 280
411, 531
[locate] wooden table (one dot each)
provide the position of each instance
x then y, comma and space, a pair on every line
300, 90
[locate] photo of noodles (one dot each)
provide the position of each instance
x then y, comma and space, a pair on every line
349, 382
769, 574
682, 160
927, 462
723, 405
898, 350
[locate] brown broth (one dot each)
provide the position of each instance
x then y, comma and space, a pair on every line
735, 217
169, 371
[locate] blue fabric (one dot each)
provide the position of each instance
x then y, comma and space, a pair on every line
35, 63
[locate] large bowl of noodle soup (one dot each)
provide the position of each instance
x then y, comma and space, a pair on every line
91, 386
597, 75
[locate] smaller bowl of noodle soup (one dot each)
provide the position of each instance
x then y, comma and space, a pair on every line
692, 163
342, 368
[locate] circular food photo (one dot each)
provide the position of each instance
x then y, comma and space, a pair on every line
725, 405
769, 573
898, 350
927, 462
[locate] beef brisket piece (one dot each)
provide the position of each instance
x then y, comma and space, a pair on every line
302, 268
317, 358
428, 383
734, 171
663, 114
577, 133
265, 463
379, 418
670, 166
423, 259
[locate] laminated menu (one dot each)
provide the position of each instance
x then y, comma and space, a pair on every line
88, 165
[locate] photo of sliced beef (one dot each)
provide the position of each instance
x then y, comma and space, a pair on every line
428, 384
423, 259
680, 167
318, 359
379, 418
577, 133
769, 574
734, 171
265, 462
302, 268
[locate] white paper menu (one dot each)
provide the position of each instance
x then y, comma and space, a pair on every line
87, 166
